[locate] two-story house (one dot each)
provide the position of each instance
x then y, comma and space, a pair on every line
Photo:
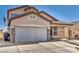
27, 24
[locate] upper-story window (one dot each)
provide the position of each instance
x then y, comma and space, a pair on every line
14, 15
32, 17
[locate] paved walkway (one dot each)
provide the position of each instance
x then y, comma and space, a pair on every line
75, 42
43, 47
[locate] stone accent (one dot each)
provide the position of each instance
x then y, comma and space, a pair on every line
12, 35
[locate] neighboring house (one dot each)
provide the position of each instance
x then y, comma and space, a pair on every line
27, 24
1, 34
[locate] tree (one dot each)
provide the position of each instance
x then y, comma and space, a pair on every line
4, 20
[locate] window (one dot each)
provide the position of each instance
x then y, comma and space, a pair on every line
32, 17
14, 15
55, 31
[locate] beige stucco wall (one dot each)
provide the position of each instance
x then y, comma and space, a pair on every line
17, 11
66, 29
46, 16
26, 20
63, 30
61, 33
75, 30
21, 11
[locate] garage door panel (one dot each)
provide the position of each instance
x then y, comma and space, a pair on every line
28, 34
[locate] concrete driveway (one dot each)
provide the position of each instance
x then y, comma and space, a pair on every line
75, 42
42, 47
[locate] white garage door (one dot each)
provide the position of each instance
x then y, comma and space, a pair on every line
29, 34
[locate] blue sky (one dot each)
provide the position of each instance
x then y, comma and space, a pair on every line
66, 13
